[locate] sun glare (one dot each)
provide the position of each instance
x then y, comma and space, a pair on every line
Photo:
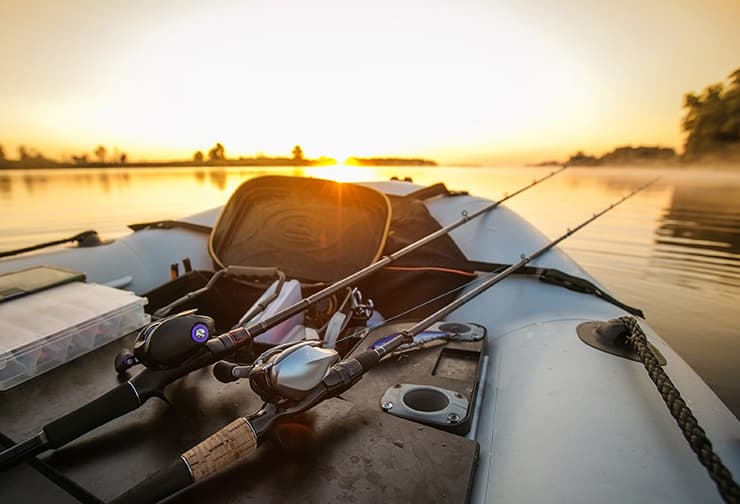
343, 173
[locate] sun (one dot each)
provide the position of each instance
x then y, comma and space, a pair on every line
343, 173
341, 155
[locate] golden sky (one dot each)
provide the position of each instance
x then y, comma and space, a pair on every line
459, 81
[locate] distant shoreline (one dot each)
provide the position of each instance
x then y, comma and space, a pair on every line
708, 162
645, 156
41, 164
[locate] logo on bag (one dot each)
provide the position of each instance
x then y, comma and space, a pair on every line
199, 333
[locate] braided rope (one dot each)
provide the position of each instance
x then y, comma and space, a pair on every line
686, 420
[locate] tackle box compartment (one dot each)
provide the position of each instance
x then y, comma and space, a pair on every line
46, 329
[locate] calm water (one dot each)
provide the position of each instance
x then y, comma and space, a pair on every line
672, 250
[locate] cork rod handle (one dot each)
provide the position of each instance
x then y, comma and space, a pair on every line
232, 443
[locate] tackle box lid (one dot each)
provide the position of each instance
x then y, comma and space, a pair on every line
45, 329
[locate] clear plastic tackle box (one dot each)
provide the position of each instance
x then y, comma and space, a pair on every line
41, 331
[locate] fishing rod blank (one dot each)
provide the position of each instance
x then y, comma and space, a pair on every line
225, 343
494, 279
151, 382
245, 434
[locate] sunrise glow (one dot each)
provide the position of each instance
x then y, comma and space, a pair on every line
458, 82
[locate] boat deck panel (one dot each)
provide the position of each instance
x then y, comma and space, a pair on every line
339, 451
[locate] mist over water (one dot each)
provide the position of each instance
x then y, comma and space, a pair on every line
673, 250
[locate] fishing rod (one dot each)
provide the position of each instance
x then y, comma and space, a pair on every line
309, 376
177, 345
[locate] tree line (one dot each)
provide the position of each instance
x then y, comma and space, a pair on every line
217, 154
30, 157
101, 157
711, 122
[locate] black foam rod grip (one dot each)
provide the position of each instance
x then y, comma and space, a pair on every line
26, 449
158, 486
105, 408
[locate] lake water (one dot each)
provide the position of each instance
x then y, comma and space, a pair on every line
672, 250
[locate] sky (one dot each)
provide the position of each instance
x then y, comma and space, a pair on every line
458, 81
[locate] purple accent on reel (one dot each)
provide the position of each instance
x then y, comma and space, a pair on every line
199, 333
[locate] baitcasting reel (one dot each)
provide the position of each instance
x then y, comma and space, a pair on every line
169, 342
285, 373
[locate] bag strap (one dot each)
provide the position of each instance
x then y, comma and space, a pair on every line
557, 277
438, 189
169, 224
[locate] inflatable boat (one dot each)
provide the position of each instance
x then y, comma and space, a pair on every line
540, 387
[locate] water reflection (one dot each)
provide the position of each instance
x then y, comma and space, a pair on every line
6, 186
698, 236
34, 182
104, 179
704, 219
218, 178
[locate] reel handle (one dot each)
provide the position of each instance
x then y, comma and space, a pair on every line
227, 372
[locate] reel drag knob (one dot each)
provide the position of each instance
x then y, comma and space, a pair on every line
227, 372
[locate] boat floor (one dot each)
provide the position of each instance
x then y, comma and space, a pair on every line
345, 450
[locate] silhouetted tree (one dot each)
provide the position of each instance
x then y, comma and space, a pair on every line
100, 153
217, 153
2, 153
712, 120
123, 158
582, 159
198, 157
297, 153
32, 157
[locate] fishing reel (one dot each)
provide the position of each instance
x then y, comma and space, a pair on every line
168, 343
285, 373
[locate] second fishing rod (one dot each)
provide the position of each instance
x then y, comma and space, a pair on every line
322, 375
166, 362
